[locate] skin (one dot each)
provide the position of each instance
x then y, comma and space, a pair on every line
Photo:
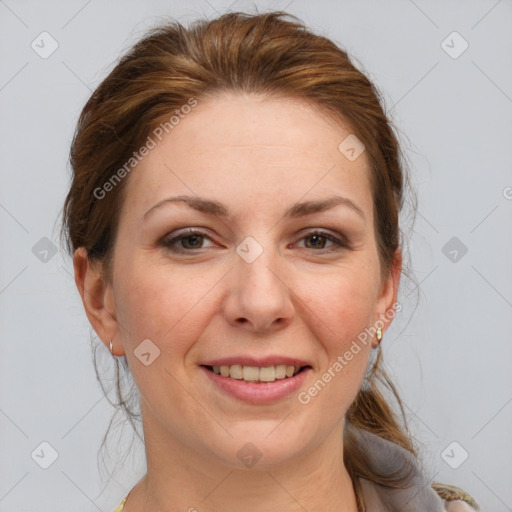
258, 156
458, 506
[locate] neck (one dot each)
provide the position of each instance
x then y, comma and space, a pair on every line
180, 478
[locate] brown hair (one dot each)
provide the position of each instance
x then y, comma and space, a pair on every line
262, 53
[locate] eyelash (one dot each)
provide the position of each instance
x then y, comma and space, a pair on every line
341, 243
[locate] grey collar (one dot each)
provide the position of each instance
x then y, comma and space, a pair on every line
387, 457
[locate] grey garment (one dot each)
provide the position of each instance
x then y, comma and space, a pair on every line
389, 458
414, 499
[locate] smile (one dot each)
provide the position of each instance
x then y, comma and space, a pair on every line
257, 373
257, 384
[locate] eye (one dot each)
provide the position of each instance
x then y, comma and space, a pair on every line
186, 241
318, 240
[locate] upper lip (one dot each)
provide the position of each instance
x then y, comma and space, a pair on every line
256, 361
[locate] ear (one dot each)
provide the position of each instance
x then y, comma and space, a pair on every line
97, 297
386, 300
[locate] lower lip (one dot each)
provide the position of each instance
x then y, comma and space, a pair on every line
258, 392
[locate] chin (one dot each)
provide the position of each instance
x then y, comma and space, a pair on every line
250, 448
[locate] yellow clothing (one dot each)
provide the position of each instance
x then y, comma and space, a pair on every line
121, 506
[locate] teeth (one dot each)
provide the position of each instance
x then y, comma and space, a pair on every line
251, 373
280, 371
257, 373
267, 374
236, 372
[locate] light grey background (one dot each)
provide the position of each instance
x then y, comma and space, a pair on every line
451, 357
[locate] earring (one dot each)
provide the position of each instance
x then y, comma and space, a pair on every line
379, 334
111, 347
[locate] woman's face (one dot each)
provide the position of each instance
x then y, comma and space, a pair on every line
252, 285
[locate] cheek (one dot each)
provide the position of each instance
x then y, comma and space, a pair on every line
169, 311
155, 302
346, 312
345, 307
345, 302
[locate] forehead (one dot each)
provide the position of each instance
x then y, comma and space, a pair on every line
237, 147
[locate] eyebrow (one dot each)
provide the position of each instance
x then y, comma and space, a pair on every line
297, 210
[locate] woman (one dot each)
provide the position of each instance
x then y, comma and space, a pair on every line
233, 220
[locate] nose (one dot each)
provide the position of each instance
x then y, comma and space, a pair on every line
259, 299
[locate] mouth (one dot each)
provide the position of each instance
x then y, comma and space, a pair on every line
258, 385
257, 374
